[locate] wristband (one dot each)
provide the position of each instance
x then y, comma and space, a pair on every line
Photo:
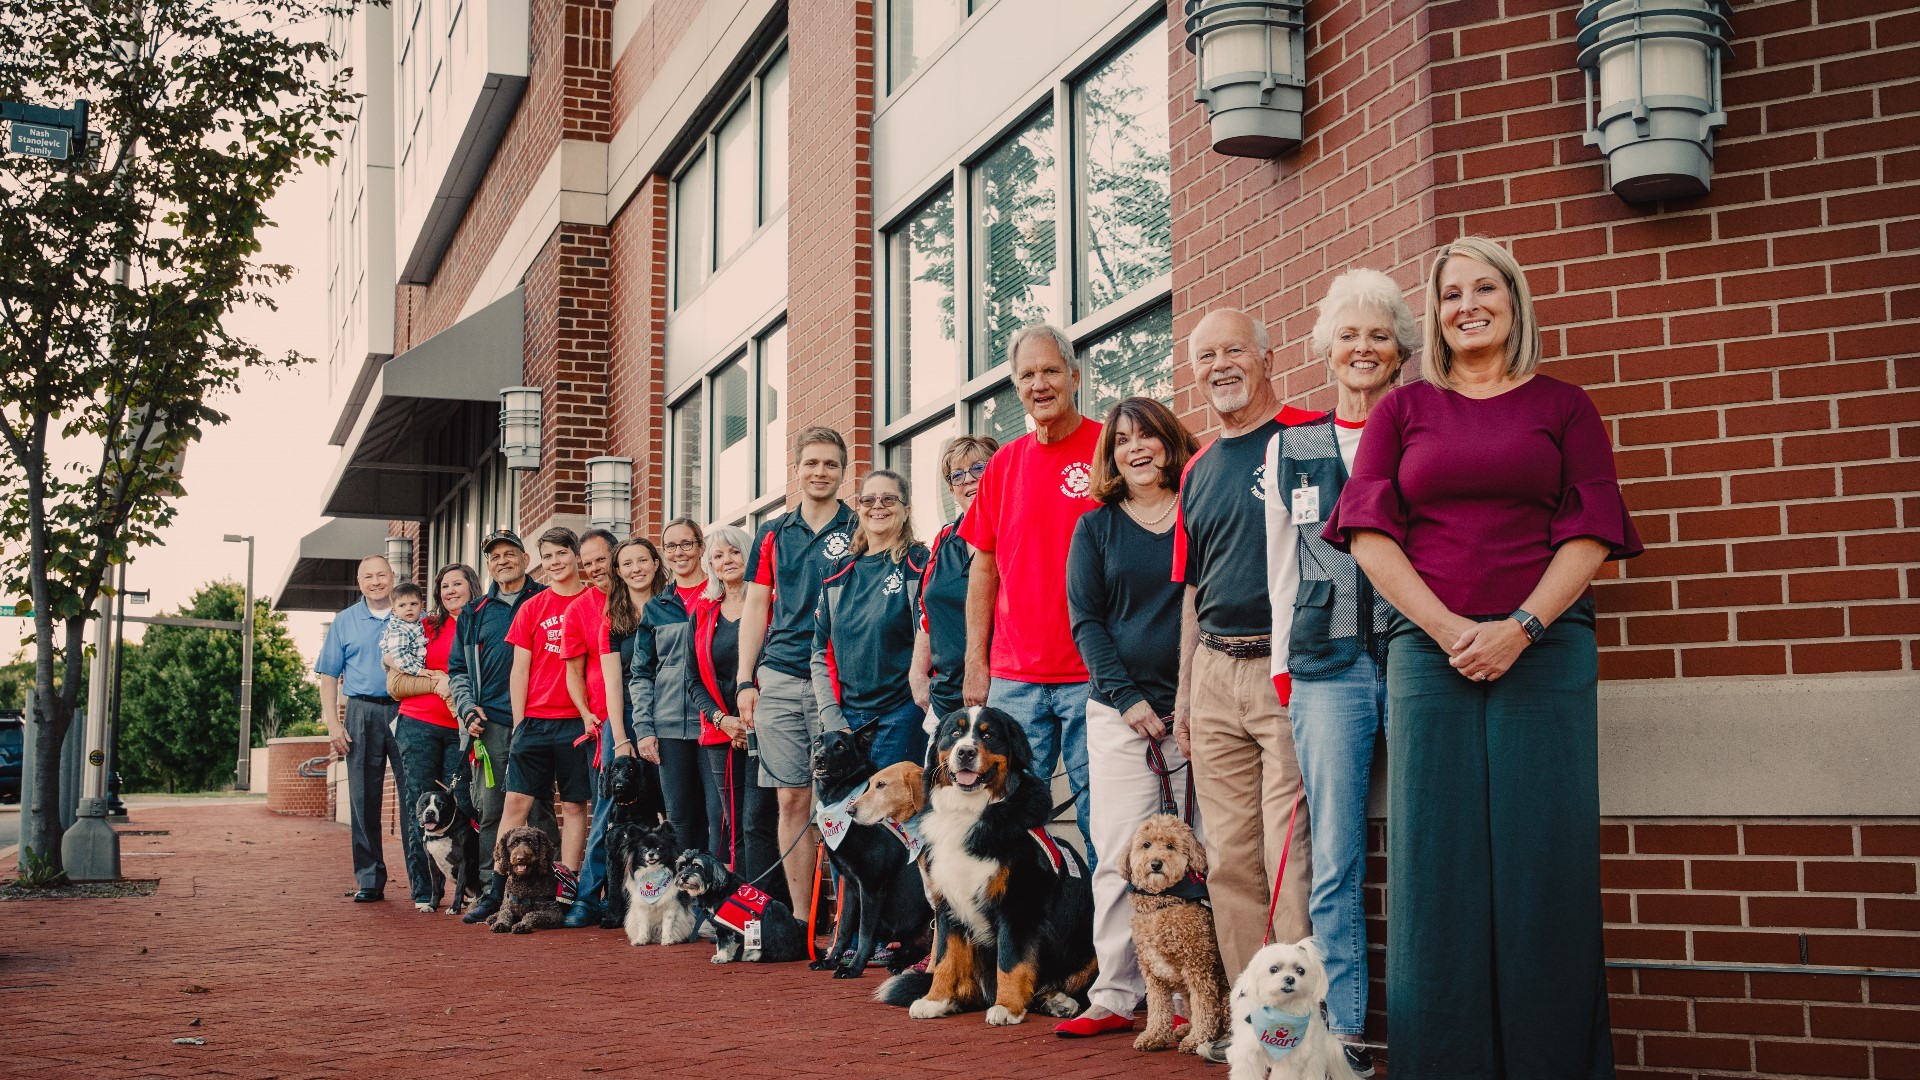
1534, 628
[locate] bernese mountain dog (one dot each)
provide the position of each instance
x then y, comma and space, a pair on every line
1013, 906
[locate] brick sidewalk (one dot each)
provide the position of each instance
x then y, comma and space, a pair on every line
301, 982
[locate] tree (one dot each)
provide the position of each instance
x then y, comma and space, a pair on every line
115, 273
180, 716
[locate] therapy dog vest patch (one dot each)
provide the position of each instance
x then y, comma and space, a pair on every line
743, 907
1051, 847
653, 887
835, 819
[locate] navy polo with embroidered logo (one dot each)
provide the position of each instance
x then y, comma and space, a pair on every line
792, 560
943, 614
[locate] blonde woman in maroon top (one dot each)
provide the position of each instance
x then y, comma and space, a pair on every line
1482, 500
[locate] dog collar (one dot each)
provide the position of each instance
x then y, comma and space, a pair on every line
653, 886
908, 833
1279, 1033
835, 819
1192, 889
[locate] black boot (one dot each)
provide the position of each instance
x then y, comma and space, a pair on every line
489, 902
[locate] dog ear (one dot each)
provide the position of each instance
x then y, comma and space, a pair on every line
500, 845
1195, 850
1019, 749
864, 737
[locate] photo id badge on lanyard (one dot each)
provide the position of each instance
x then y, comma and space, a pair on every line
1306, 502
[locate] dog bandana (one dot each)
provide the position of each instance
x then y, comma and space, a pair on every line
653, 887
1052, 850
743, 907
835, 819
1280, 1033
908, 834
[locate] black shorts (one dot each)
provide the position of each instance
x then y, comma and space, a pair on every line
543, 754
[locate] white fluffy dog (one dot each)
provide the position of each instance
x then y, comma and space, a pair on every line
1277, 1029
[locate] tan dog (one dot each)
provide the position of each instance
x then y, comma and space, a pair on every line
897, 794
1173, 934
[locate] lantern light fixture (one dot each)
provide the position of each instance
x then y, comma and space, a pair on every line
520, 427
1251, 58
400, 557
610, 494
1652, 70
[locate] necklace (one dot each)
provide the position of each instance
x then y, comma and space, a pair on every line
1143, 523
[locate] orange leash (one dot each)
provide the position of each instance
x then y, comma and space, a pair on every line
813, 905
1274, 905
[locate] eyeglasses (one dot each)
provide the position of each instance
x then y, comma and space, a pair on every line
886, 501
681, 545
972, 472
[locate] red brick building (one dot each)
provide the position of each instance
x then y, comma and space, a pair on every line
697, 226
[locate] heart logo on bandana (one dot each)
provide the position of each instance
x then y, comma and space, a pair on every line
653, 888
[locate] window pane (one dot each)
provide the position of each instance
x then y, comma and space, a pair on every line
686, 458
773, 416
1126, 223
733, 460
733, 185
926, 361
917, 457
914, 29
773, 139
1135, 359
1016, 276
1001, 416
691, 224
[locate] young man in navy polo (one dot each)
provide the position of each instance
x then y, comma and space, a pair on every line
791, 555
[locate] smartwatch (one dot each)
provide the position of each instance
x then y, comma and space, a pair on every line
1533, 626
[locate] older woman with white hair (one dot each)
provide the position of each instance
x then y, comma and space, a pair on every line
1329, 626
1482, 501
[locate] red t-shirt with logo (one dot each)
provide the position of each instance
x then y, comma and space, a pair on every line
583, 632
432, 708
1024, 513
538, 627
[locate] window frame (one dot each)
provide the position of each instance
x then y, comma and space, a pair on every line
752, 347
751, 97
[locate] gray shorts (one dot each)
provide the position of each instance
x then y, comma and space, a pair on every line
785, 723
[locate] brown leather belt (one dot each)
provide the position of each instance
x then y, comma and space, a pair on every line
1239, 648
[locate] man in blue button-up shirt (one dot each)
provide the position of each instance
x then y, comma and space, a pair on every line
350, 662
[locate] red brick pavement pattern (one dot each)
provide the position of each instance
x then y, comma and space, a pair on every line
301, 982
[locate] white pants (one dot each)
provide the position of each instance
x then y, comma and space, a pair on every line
1125, 793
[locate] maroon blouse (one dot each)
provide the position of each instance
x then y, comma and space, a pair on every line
1479, 492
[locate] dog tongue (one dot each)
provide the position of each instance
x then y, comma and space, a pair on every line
966, 779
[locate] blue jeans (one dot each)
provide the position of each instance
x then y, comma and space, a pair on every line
1054, 716
1336, 720
593, 868
900, 738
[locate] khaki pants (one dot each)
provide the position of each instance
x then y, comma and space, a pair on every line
1246, 776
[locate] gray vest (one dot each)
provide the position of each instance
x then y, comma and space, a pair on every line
1336, 614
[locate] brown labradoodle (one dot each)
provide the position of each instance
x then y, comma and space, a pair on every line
1173, 934
525, 856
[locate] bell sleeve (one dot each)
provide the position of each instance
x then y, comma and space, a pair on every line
1371, 498
1590, 501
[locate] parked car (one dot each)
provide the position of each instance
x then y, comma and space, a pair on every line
13, 737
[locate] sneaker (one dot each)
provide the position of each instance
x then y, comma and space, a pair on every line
1215, 1051
423, 906
925, 963
1359, 1059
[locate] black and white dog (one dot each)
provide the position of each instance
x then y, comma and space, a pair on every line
454, 845
627, 783
657, 912
887, 901
747, 923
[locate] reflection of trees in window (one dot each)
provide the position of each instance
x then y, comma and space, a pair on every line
1000, 415
1136, 359
1015, 238
925, 364
1126, 223
686, 452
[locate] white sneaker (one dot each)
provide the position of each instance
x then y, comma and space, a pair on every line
428, 908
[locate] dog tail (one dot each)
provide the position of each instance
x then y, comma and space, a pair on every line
904, 989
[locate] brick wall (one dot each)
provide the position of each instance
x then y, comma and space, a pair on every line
637, 361
830, 223
568, 328
287, 791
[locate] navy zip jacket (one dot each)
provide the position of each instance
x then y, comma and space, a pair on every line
480, 665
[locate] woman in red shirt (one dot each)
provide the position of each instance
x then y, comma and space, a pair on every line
431, 749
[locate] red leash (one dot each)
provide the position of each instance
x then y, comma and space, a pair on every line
1282, 874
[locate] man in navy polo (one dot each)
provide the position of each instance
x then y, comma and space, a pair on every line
789, 559
350, 663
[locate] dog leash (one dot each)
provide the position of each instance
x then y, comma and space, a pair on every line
1274, 906
1157, 763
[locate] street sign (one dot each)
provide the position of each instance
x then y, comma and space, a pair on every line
6, 609
40, 140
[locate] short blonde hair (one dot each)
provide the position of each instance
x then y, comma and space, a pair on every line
1523, 339
1368, 291
732, 536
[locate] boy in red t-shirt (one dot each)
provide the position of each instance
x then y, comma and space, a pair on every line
583, 642
551, 742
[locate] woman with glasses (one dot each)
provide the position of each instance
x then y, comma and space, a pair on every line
666, 724
864, 627
940, 648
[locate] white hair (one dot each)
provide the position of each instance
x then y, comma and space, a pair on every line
1261, 342
1037, 330
1369, 291
732, 536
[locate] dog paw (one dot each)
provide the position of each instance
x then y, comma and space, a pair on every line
825, 963
1153, 1040
1059, 1005
453, 911
930, 1009
502, 927
1001, 1016
847, 972
720, 958
523, 928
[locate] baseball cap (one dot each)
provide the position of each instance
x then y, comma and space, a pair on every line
499, 536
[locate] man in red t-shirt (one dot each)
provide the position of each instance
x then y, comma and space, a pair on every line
1021, 525
551, 740
583, 641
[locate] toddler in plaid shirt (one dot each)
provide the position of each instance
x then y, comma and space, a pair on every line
403, 646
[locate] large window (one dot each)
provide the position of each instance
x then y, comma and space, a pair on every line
915, 28
1013, 235
733, 182
729, 438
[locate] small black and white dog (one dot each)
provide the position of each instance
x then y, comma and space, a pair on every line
454, 845
747, 923
887, 901
657, 912
627, 784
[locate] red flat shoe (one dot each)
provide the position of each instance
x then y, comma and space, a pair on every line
1080, 1027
